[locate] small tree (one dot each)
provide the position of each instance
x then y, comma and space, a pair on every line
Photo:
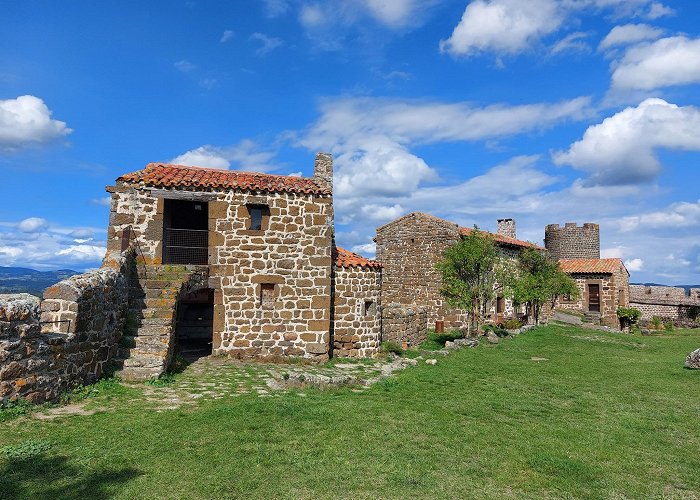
540, 281
629, 317
470, 272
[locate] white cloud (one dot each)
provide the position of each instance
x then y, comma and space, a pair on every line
312, 15
105, 201
634, 264
32, 225
503, 26
267, 43
226, 36
612, 253
394, 13
573, 42
621, 149
7, 252
507, 27
26, 119
665, 62
207, 83
367, 249
628, 34
246, 155
678, 215
83, 253
184, 66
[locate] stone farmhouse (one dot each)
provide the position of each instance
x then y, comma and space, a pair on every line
666, 302
409, 248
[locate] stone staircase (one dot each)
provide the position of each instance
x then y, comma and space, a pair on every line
591, 317
146, 348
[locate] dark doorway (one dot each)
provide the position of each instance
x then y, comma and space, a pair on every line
594, 297
185, 232
195, 322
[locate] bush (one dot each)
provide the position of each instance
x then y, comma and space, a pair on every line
500, 332
628, 316
694, 313
391, 346
668, 326
656, 322
512, 324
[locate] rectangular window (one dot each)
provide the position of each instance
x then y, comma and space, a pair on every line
369, 309
258, 215
267, 295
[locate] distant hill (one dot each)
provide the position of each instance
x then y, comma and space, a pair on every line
687, 287
22, 279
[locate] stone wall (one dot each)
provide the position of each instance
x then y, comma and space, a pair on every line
292, 254
572, 241
68, 339
663, 301
613, 294
357, 322
404, 324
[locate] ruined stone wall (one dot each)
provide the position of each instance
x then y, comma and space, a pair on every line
404, 324
408, 249
663, 301
81, 323
572, 241
357, 318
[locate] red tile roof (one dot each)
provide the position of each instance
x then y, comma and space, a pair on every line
590, 266
180, 176
345, 258
504, 240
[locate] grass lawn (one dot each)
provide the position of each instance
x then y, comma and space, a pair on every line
604, 416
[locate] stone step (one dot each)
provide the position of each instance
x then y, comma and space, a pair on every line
133, 374
144, 360
154, 330
146, 338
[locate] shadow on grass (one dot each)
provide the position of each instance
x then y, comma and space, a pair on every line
436, 341
54, 477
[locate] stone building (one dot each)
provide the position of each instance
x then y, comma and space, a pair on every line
572, 241
603, 287
666, 302
410, 247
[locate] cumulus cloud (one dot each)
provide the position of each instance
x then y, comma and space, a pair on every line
226, 36
34, 242
665, 62
32, 225
678, 215
26, 120
628, 34
634, 265
621, 149
267, 43
503, 26
246, 155
507, 27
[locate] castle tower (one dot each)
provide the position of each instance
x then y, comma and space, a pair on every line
572, 241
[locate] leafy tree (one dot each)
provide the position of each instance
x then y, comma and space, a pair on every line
540, 281
471, 271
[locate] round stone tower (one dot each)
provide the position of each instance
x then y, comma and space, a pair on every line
572, 241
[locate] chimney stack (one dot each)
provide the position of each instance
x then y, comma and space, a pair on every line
506, 227
323, 170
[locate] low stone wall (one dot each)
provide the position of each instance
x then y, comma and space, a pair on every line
663, 301
404, 324
68, 339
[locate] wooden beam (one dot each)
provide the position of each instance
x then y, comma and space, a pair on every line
183, 195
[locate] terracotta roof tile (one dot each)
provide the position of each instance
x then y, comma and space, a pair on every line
504, 240
345, 258
591, 266
180, 176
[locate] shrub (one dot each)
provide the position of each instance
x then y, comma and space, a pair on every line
656, 322
391, 346
668, 326
694, 313
512, 324
500, 332
628, 316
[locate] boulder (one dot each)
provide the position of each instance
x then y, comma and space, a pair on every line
693, 360
431, 361
468, 342
492, 338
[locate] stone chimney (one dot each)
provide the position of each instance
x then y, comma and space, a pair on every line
323, 170
506, 227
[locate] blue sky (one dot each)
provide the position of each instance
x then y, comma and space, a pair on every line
546, 111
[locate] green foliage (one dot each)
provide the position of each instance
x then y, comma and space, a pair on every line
540, 281
436, 341
668, 326
163, 381
470, 271
656, 322
500, 332
694, 312
14, 409
81, 392
25, 449
512, 324
628, 316
391, 346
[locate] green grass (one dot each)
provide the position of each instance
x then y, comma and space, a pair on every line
605, 416
437, 341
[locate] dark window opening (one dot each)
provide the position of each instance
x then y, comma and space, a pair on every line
500, 305
258, 215
267, 295
185, 232
370, 308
